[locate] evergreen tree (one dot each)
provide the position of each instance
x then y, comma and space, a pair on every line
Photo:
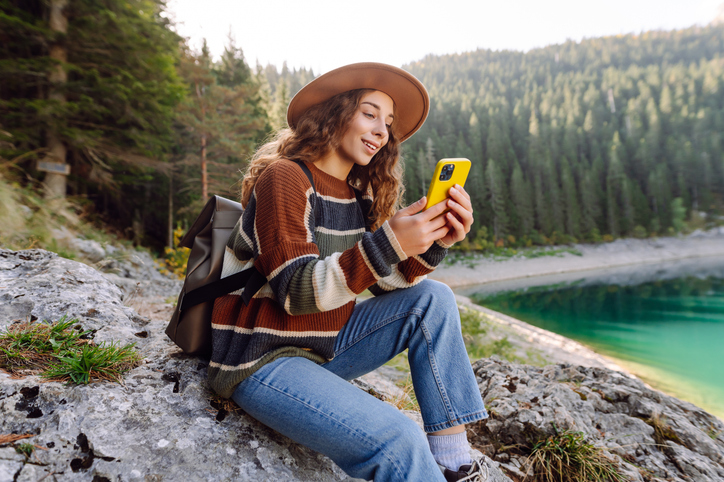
656, 102
590, 202
496, 188
614, 188
555, 196
521, 194
570, 194
278, 114
220, 119
111, 120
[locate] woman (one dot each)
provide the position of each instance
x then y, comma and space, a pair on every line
286, 355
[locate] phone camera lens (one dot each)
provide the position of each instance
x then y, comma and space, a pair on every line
446, 172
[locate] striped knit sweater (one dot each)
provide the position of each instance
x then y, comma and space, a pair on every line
316, 261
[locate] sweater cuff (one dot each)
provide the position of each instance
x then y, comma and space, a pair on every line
435, 254
443, 245
381, 251
401, 256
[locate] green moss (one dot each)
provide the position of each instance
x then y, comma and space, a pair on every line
26, 449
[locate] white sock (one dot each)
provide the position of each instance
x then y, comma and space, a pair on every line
452, 451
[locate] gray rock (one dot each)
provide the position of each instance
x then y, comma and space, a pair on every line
132, 263
527, 404
162, 423
88, 249
37, 284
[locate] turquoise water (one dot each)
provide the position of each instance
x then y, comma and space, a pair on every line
668, 331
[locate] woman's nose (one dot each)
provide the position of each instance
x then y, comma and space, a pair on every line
380, 129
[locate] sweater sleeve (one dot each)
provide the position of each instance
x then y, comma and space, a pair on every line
283, 233
412, 270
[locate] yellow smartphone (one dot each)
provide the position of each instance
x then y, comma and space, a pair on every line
448, 172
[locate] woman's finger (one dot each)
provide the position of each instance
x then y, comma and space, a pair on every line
456, 226
440, 232
464, 215
458, 197
458, 188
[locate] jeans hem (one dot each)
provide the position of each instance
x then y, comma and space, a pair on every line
465, 419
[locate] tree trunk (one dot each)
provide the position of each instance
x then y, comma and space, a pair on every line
170, 210
204, 177
55, 183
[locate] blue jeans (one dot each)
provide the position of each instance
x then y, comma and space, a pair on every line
369, 439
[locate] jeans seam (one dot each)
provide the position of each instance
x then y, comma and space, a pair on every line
435, 371
352, 430
391, 319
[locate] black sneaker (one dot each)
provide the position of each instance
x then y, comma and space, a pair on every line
475, 472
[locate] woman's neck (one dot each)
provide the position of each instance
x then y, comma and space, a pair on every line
333, 165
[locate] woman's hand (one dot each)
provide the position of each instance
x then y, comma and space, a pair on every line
415, 230
459, 218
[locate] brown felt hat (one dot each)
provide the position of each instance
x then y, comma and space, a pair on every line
412, 103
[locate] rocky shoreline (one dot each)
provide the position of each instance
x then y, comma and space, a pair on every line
623, 262
477, 270
163, 423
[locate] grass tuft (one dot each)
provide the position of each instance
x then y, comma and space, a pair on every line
406, 400
662, 430
103, 362
61, 351
568, 457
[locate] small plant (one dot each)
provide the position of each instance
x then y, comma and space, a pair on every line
639, 232
713, 433
662, 430
62, 351
471, 322
176, 258
406, 400
502, 348
568, 457
104, 361
31, 346
26, 449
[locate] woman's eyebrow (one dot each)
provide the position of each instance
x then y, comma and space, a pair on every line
377, 107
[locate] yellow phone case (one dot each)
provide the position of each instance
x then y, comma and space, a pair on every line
442, 181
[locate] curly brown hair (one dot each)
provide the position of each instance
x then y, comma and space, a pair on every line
319, 131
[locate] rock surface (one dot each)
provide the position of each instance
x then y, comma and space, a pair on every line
163, 423
527, 404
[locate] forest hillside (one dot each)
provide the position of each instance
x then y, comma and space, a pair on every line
103, 104
616, 136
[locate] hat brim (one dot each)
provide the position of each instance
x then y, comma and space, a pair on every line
412, 103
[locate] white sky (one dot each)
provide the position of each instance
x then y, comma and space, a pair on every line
325, 34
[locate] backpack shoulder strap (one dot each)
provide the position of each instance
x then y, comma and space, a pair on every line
308, 173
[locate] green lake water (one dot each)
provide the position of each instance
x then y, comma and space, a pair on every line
663, 323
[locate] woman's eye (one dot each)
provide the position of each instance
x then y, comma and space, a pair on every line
368, 115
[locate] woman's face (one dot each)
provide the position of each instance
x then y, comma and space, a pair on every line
368, 131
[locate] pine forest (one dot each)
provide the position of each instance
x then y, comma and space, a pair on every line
579, 142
